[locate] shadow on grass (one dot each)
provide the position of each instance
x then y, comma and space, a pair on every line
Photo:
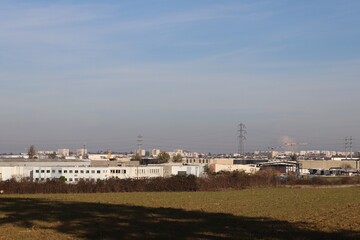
107, 221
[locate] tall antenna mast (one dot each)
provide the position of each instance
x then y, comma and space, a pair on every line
242, 138
139, 143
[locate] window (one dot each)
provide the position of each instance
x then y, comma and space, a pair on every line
59, 171
42, 171
37, 171
42, 179
87, 171
98, 171
52, 171
65, 171
81, 171
47, 171
92, 171
125, 171
70, 171
70, 179
76, 179
76, 171
37, 179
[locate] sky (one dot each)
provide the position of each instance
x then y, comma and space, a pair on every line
183, 74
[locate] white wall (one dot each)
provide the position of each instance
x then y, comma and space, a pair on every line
7, 173
236, 167
196, 170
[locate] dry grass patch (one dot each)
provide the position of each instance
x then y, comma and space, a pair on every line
258, 213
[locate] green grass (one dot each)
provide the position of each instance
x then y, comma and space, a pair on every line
259, 213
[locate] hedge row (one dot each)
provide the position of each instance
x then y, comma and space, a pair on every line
214, 182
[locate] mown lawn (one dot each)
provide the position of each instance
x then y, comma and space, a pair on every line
259, 213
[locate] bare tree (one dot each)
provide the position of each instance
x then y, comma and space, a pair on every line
32, 152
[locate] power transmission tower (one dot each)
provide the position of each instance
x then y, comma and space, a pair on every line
242, 138
348, 146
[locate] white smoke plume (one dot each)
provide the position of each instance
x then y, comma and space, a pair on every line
287, 141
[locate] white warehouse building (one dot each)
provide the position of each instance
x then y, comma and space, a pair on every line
74, 174
22, 168
74, 170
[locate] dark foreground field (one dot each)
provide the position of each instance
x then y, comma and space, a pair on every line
263, 213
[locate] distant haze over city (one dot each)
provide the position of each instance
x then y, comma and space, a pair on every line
183, 74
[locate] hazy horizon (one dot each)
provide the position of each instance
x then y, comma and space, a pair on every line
183, 74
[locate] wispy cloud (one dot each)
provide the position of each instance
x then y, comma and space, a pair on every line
27, 16
241, 12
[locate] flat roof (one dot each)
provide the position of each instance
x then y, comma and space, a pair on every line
9, 160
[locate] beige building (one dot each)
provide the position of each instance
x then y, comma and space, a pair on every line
327, 164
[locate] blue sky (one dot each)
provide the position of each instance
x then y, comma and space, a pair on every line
183, 74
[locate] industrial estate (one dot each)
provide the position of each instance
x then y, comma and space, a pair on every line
80, 164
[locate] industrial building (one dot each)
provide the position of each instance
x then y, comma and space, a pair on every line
73, 171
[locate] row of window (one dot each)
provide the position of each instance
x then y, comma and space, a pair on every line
123, 171
71, 171
143, 171
77, 179
66, 179
197, 161
154, 170
140, 171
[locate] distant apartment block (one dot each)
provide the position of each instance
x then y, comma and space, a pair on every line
81, 152
64, 152
155, 152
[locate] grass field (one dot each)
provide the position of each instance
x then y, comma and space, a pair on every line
259, 213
